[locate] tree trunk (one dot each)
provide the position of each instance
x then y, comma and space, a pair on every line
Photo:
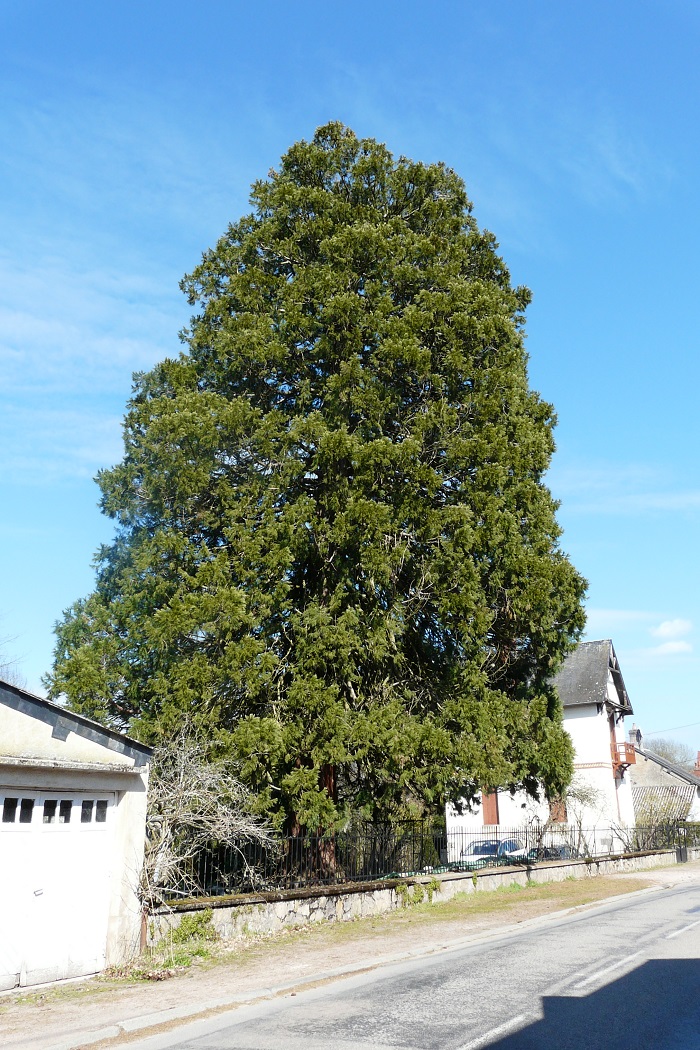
327, 853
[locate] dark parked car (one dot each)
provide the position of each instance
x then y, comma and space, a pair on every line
558, 852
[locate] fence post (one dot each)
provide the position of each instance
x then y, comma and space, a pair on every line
681, 844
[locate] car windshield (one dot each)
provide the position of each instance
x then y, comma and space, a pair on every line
482, 849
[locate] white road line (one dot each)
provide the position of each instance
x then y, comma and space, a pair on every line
606, 969
502, 1029
683, 929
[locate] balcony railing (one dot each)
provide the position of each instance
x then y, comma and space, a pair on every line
623, 755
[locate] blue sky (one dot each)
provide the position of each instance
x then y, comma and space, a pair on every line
130, 135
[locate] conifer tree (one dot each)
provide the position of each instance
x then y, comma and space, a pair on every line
335, 549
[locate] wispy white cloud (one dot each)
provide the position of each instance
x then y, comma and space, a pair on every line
603, 623
604, 162
70, 339
670, 633
688, 499
65, 327
526, 161
49, 445
581, 145
672, 628
633, 625
139, 162
671, 648
90, 265
621, 490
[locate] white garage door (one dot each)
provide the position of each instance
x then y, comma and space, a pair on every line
56, 860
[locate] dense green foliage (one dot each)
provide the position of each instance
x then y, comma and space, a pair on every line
335, 548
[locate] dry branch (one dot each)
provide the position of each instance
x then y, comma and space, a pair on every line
195, 803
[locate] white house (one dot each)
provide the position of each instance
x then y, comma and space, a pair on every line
72, 825
595, 703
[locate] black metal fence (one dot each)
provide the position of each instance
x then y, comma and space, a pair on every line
372, 852
361, 854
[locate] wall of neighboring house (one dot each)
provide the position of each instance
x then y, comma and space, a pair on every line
514, 811
649, 773
624, 777
604, 800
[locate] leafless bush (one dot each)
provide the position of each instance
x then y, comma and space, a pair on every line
194, 803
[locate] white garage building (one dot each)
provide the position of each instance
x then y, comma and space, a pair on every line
72, 825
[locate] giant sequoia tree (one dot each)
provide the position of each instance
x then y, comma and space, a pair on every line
335, 549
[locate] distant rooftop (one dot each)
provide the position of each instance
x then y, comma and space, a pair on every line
583, 677
671, 767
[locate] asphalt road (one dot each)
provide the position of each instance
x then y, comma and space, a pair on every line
626, 974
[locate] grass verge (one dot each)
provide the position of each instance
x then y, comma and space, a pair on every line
414, 927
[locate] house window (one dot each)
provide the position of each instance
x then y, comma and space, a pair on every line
101, 811
557, 811
489, 804
50, 811
64, 809
86, 811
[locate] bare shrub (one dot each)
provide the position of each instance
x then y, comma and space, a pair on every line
195, 803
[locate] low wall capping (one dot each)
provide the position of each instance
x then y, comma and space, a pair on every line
237, 900
244, 915
338, 889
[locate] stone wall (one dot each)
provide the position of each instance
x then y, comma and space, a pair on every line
252, 914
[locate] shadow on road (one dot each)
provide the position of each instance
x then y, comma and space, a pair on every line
656, 1006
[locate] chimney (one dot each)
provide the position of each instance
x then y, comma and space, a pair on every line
635, 735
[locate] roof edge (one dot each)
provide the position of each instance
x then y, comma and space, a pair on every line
30, 762
83, 720
670, 767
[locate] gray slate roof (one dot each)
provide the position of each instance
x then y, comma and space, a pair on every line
662, 803
583, 677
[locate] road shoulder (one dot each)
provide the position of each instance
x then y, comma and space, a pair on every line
102, 1012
